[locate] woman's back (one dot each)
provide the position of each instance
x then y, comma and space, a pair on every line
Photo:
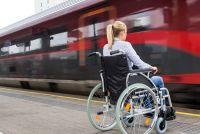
117, 45
133, 58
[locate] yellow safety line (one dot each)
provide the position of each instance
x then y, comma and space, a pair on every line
52, 95
188, 114
79, 99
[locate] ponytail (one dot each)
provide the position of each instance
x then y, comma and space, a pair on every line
110, 36
113, 30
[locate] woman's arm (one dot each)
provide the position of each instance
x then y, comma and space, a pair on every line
134, 57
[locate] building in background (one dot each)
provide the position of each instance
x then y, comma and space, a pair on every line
41, 5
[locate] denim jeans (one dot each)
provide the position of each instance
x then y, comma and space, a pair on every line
158, 81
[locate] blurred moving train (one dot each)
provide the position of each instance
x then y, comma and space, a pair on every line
49, 50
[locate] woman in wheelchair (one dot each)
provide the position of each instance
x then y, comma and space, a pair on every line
116, 36
127, 97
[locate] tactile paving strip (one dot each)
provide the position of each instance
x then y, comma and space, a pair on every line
184, 127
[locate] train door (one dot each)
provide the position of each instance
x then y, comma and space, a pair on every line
92, 26
95, 28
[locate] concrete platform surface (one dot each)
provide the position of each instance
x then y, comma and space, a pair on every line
34, 112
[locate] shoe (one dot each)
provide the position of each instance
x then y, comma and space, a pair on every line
170, 114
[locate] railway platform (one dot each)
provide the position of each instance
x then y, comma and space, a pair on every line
38, 112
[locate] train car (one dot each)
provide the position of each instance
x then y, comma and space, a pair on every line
49, 50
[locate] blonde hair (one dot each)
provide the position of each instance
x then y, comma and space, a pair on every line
113, 30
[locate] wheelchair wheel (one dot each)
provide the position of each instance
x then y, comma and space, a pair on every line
136, 104
161, 126
100, 112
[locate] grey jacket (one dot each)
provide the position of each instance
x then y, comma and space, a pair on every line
133, 58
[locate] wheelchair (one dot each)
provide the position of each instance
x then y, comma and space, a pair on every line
128, 99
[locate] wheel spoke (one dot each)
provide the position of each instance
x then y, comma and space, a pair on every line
99, 110
143, 105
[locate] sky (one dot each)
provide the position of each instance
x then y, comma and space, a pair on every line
12, 11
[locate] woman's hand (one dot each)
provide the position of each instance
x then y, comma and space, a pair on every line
155, 70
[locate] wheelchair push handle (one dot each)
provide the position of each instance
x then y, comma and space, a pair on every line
94, 53
116, 52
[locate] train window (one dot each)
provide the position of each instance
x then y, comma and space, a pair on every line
10, 48
73, 36
59, 39
144, 20
16, 48
4, 51
34, 45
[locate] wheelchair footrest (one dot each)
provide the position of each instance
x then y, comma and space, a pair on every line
170, 114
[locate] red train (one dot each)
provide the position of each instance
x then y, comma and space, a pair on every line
49, 50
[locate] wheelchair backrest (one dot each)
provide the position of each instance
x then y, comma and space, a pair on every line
115, 70
115, 73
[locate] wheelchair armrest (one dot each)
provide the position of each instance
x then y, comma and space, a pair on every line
146, 70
